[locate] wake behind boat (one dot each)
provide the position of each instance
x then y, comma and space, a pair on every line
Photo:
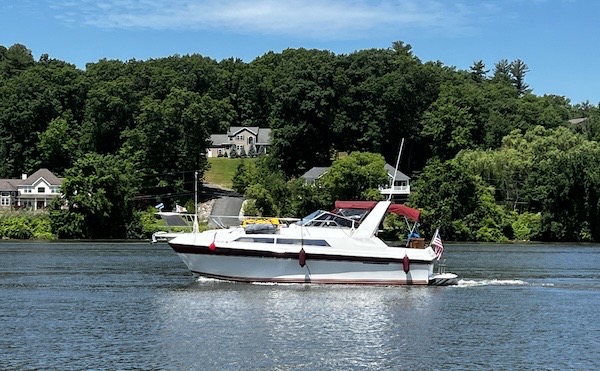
324, 247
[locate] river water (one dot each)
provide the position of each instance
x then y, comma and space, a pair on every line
134, 306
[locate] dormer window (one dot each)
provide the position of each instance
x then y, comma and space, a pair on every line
41, 190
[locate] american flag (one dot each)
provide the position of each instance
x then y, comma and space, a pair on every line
437, 244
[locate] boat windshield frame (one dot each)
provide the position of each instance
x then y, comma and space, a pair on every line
322, 218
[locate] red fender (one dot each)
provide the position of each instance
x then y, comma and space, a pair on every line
212, 246
406, 264
302, 258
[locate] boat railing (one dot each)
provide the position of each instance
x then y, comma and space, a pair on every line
228, 221
327, 223
442, 267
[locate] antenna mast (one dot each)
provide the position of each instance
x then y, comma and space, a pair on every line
396, 169
195, 202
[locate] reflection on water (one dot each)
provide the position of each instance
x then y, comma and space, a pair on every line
124, 306
298, 325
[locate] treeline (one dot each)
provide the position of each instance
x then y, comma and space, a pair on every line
126, 134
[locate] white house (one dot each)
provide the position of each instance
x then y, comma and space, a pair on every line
398, 188
240, 137
30, 192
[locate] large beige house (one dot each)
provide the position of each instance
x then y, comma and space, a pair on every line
32, 192
241, 138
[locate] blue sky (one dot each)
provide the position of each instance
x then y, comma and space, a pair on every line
558, 39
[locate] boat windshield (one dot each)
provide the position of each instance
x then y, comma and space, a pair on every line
322, 218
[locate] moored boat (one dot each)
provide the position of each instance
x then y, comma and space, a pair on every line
324, 247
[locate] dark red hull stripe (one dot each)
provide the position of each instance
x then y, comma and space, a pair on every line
317, 281
185, 249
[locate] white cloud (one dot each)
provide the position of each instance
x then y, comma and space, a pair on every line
339, 19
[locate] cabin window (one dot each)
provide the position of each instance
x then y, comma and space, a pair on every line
256, 239
295, 241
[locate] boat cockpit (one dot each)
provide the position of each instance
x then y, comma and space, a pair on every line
321, 218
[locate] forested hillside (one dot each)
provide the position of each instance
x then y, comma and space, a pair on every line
484, 152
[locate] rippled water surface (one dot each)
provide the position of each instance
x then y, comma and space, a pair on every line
134, 306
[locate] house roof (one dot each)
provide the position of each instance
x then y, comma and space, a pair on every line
314, 173
264, 136
578, 120
219, 139
399, 175
47, 175
317, 172
41, 173
9, 184
233, 130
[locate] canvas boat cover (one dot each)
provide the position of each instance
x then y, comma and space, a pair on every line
408, 212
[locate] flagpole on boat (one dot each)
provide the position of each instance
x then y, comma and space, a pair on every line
195, 230
396, 169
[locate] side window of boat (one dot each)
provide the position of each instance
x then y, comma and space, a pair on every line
295, 241
264, 240
255, 239
289, 241
316, 242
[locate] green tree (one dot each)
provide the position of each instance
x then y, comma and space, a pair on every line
244, 176
563, 183
450, 125
478, 72
252, 151
98, 191
518, 69
169, 142
58, 145
30, 101
502, 70
15, 60
233, 153
459, 203
110, 110
303, 111
505, 169
355, 176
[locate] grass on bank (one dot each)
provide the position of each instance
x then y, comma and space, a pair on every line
222, 170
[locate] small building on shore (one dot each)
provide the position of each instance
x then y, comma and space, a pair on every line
30, 192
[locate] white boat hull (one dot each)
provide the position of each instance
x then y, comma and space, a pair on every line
289, 271
233, 266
